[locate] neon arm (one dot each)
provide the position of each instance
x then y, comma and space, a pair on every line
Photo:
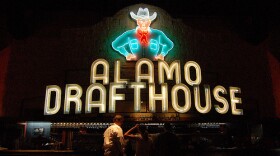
119, 44
166, 43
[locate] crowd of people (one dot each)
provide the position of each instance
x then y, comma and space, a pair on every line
117, 143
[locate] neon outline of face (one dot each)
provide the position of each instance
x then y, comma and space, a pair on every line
144, 24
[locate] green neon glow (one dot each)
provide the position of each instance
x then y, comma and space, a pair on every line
143, 41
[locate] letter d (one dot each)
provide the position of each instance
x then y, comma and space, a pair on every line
55, 109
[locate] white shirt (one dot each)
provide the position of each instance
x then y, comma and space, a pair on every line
113, 140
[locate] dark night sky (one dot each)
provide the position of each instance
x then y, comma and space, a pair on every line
178, 8
252, 20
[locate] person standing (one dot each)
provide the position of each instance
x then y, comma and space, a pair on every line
113, 138
166, 143
143, 141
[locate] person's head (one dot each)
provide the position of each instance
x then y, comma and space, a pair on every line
143, 131
118, 119
143, 18
167, 126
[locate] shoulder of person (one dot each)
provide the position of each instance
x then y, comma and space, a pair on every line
156, 30
132, 31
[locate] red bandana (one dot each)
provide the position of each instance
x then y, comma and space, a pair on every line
143, 37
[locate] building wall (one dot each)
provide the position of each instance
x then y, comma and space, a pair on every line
4, 62
62, 52
274, 67
273, 43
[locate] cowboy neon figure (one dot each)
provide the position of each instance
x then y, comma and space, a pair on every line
143, 41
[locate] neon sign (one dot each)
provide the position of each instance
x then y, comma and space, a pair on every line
144, 44
73, 92
143, 41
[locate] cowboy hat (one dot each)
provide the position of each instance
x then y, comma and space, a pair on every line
143, 14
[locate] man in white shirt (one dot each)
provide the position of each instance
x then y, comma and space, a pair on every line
113, 138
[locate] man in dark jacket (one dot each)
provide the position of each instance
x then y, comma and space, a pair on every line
167, 143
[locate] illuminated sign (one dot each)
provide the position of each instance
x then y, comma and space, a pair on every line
143, 41
143, 44
73, 92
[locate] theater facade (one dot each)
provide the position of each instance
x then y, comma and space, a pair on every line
66, 81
